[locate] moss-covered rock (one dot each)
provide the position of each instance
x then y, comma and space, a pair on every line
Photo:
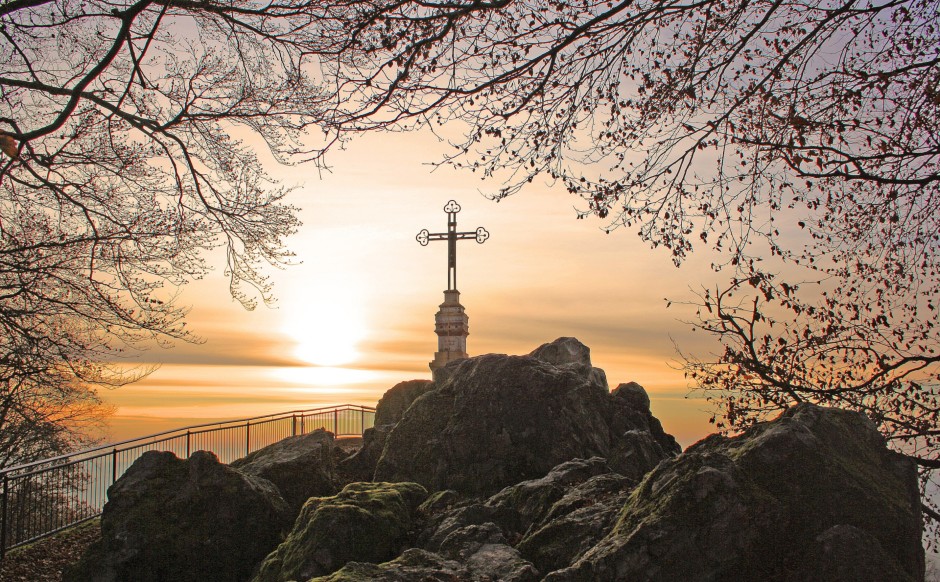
412, 565
474, 553
183, 520
365, 522
757, 507
439, 501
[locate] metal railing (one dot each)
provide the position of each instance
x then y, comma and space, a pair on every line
43, 497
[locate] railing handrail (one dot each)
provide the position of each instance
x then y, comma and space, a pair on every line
72, 497
109, 447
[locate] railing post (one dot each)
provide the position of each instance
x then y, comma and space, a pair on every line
113, 465
188, 438
335, 422
247, 438
293, 425
362, 420
3, 516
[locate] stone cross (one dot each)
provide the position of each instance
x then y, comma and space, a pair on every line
452, 236
451, 323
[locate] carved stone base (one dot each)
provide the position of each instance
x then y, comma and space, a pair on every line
452, 327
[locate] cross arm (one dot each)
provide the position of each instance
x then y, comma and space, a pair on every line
480, 234
424, 237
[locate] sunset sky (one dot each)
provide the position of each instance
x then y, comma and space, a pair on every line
356, 315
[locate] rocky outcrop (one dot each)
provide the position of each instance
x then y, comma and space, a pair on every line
493, 421
535, 517
300, 467
389, 410
814, 495
365, 522
538, 472
183, 520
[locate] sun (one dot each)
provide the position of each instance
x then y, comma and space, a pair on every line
327, 331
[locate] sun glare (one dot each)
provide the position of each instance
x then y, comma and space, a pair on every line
327, 331
323, 377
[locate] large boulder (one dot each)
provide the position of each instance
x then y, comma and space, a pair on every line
495, 420
524, 504
564, 351
440, 522
814, 495
576, 522
300, 467
365, 522
183, 520
487, 555
569, 352
360, 466
397, 399
642, 439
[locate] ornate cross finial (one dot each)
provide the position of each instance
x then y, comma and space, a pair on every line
452, 236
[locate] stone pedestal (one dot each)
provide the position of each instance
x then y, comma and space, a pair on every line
452, 327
